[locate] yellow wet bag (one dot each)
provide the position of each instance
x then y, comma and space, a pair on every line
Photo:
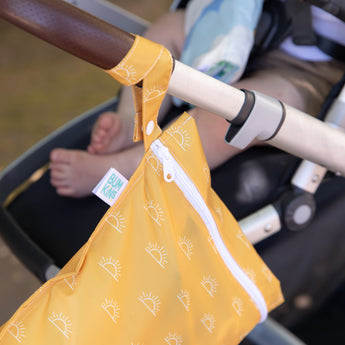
168, 263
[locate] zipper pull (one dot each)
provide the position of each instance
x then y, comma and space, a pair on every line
168, 166
166, 159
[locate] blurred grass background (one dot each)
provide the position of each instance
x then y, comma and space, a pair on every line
41, 89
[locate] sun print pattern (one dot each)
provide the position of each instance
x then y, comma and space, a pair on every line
71, 281
151, 302
251, 274
111, 266
213, 246
112, 309
155, 212
210, 284
186, 245
149, 95
219, 212
17, 330
62, 322
116, 221
209, 321
185, 298
155, 164
173, 339
237, 304
207, 174
158, 253
126, 71
181, 136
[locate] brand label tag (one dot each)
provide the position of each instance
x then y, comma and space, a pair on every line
111, 186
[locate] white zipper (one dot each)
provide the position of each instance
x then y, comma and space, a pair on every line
173, 172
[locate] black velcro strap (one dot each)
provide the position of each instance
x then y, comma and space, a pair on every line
334, 7
302, 28
330, 47
247, 107
242, 116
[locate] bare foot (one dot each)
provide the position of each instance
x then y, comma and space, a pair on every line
75, 173
109, 134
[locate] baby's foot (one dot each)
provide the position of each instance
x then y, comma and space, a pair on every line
109, 134
75, 173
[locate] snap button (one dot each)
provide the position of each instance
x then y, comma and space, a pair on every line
149, 128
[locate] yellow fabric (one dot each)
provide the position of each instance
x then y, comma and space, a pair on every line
150, 273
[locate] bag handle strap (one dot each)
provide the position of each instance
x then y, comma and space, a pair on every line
146, 67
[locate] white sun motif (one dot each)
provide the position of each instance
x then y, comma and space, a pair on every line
155, 212
173, 339
62, 323
207, 174
17, 330
185, 298
181, 136
71, 281
210, 285
151, 302
126, 72
219, 212
251, 274
237, 305
209, 321
111, 266
158, 253
155, 164
213, 246
186, 246
153, 93
112, 309
117, 221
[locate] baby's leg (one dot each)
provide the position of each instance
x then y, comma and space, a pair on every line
75, 173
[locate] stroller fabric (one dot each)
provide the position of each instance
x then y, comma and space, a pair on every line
168, 263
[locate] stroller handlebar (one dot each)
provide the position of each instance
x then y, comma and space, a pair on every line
70, 28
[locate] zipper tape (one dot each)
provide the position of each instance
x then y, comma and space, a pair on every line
174, 172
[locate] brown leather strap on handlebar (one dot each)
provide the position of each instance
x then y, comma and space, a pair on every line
70, 29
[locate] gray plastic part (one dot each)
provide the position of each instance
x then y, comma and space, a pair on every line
271, 332
52, 271
263, 122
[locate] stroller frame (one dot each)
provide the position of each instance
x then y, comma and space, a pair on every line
317, 156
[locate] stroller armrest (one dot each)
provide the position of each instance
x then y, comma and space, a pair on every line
24, 248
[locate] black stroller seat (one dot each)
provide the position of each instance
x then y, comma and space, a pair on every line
35, 221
